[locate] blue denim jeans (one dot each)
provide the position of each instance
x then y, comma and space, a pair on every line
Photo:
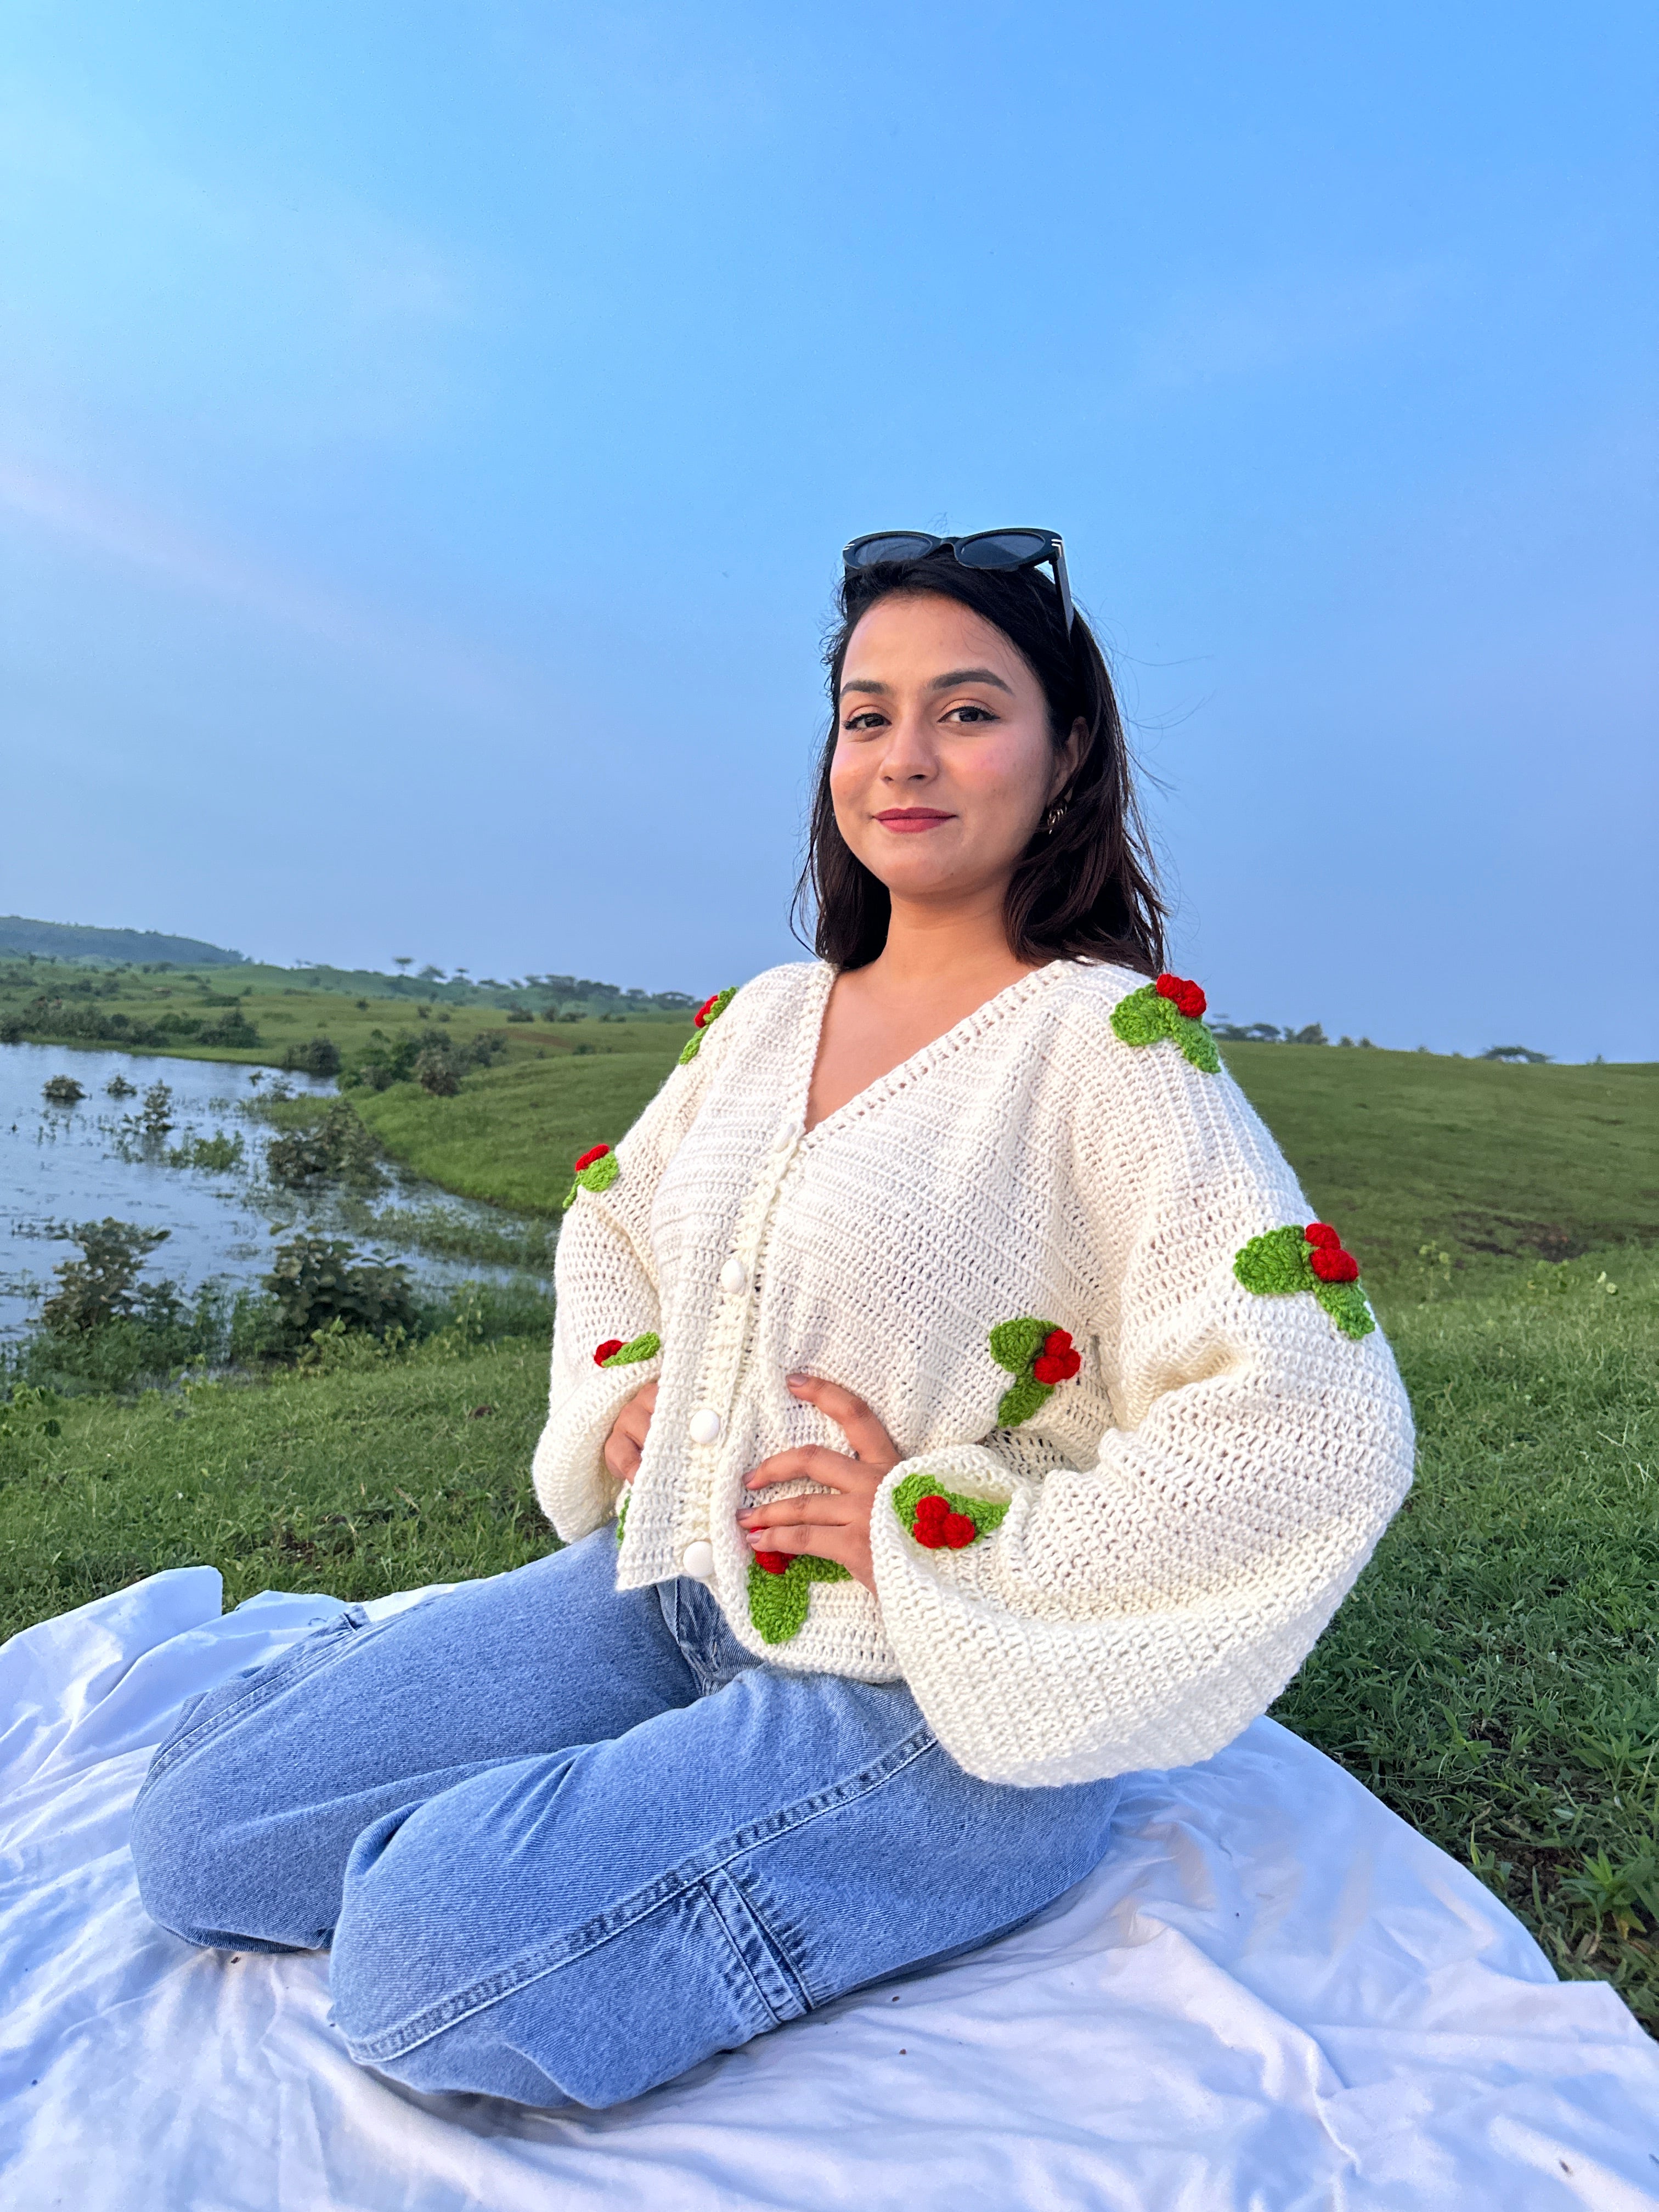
564, 1842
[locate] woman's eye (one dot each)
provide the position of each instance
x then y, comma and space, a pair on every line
869, 719
970, 713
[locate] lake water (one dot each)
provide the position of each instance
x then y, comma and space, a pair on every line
63, 1165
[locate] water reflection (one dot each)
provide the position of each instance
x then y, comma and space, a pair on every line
61, 1164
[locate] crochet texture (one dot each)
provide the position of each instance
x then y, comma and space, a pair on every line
1181, 1516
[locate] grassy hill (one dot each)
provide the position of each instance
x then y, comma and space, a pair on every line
160, 1005
67, 940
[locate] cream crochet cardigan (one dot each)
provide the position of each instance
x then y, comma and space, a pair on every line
1182, 1516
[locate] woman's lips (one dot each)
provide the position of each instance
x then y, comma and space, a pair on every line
909, 818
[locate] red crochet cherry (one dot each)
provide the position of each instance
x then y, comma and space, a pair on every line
593, 1152
604, 1351
1057, 1362
773, 1563
1186, 998
1321, 1233
700, 1016
1333, 1267
932, 1513
958, 1530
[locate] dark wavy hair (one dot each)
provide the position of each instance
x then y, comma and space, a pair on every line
1085, 890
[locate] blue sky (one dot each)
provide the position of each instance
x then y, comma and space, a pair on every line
427, 433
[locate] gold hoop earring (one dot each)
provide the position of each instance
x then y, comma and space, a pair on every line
1051, 820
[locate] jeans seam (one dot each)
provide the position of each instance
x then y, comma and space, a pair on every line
267, 1682
781, 1958
603, 1928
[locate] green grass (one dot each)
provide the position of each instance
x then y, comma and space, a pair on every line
1487, 1160
290, 1011
1494, 1675
512, 1130
379, 1476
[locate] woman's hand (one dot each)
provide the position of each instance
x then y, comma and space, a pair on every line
629, 1430
836, 1526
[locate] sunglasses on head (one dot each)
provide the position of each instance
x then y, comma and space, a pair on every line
985, 548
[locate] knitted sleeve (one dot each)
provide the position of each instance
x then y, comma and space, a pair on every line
607, 1315
1062, 1626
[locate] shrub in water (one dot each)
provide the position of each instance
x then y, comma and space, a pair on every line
337, 1145
118, 1087
61, 1090
316, 1281
101, 1286
155, 1118
217, 1154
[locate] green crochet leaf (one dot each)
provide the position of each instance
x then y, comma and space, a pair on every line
778, 1603
694, 1044
600, 1176
1016, 1344
1276, 1264
1139, 1019
1195, 1040
1345, 1304
985, 1513
1145, 1018
1021, 1400
622, 1514
1279, 1265
642, 1347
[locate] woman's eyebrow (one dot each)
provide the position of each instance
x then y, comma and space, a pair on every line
969, 676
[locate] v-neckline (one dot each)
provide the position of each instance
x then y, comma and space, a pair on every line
884, 1087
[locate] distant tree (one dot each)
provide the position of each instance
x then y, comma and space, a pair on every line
435, 1072
1313, 1034
320, 1056
403, 961
1522, 1052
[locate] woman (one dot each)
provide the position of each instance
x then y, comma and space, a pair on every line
987, 1422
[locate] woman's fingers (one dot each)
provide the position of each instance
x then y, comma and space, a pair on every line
816, 1507
622, 1455
629, 1432
868, 1438
817, 1463
847, 1544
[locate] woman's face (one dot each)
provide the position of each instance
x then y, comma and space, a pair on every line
943, 764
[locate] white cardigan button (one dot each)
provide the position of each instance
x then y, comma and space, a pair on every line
698, 1559
791, 1133
734, 1277
706, 1425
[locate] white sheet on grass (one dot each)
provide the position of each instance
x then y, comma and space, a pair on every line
1272, 1994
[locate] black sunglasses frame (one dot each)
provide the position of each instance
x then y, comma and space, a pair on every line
1052, 551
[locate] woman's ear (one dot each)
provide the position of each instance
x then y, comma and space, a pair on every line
1066, 758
